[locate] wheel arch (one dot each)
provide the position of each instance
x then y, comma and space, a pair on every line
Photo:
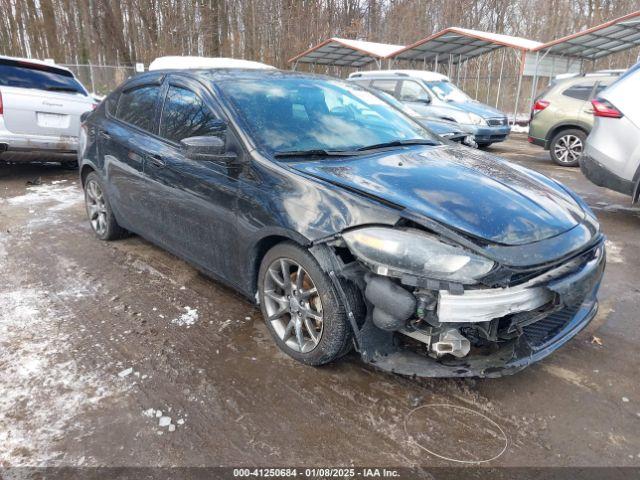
565, 126
85, 170
265, 243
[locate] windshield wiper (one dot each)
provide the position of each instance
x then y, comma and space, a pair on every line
398, 143
318, 152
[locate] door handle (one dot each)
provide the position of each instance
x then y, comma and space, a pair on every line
157, 161
105, 134
588, 110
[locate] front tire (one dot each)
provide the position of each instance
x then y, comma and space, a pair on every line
103, 223
567, 146
301, 306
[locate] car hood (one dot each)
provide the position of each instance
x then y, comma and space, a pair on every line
485, 111
439, 127
467, 190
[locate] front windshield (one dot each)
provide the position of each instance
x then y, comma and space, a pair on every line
303, 114
447, 91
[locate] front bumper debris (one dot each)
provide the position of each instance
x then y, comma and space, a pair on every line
484, 305
562, 304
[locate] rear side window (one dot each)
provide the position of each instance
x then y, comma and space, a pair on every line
600, 87
138, 107
411, 91
185, 115
40, 78
388, 86
111, 103
581, 91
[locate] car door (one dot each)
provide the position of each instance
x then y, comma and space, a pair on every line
414, 95
124, 138
194, 201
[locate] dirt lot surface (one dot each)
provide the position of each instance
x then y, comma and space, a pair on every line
100, 341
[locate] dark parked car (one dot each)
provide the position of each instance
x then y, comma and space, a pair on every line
349, 225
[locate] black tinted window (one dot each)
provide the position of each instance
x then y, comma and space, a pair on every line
601, 86
185, 115
111, 103
581, 91
41, 79
137, 107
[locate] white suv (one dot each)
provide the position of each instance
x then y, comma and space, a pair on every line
40, 108
612, 155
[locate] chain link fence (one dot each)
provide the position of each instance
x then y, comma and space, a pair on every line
101, 79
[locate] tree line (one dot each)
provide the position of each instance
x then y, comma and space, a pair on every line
122, 32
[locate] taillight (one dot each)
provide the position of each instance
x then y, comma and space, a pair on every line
604, 108
1, 107
540, 105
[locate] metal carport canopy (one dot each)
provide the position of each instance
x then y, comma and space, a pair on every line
344, 52
461, 43
610, 37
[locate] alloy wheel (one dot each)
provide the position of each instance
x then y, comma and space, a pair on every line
568, 148
293, 305
96, 207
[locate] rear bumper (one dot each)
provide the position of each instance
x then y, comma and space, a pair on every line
601, 176
22, 143
541, 142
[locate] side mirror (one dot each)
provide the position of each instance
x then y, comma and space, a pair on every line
204, 148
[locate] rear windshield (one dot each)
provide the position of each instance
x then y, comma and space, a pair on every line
41, 79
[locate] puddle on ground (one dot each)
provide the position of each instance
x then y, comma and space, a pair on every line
455, 433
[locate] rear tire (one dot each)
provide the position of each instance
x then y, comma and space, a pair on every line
567, 146
101, 218
283, 296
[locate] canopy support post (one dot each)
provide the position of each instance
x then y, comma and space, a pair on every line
515, 110
478, 64
458, 69
436, 69
504, 54
489, 73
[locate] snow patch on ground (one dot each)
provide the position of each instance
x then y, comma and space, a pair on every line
3, 244
42, 389
520, 129
188, 318
614, 252
60, 195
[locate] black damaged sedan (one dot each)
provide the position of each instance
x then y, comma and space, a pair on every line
347, 222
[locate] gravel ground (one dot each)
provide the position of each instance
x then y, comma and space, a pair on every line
119, 354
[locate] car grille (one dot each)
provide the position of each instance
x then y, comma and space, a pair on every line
540, 332
495, 122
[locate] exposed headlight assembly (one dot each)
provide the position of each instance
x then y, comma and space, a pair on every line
394, 252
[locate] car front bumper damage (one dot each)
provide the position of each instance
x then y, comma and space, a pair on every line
533, 319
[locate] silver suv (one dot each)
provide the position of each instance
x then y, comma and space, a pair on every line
40, 108
432, 95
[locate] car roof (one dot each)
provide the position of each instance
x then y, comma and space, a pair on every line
218, 74
37, 63
421, 74
193, 62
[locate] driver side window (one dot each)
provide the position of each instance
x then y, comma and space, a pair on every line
185, 115
411, 91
